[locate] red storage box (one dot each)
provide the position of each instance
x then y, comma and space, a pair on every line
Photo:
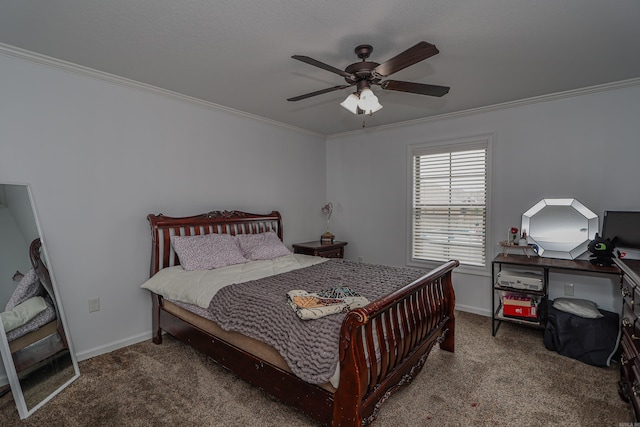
519, 306
520, 311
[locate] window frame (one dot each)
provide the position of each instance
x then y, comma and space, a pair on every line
445, 146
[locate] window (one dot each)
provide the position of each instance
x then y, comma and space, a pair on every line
449, 202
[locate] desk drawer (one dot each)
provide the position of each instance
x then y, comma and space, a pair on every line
629, 293
635, 302
629, 318
629, 355
332, 253
631, 328
634, 389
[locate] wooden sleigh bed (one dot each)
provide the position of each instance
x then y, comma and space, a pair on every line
401, 328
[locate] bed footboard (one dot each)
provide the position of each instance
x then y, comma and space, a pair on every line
398, 332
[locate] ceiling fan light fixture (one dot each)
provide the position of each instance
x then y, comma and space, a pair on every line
351, 103
368, 101
364, 102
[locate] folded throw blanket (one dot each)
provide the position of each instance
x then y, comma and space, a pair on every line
319, 304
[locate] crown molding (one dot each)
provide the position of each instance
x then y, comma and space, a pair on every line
112, 78
60, 64
526, 101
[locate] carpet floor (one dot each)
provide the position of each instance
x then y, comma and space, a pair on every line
506, 380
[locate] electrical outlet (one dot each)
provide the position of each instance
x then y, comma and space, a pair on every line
94, 305
360, 259
568, 289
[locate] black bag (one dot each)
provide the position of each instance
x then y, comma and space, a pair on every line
592, 341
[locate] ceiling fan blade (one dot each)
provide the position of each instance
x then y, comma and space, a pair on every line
318, 92
419, 88
322, 65
413, 55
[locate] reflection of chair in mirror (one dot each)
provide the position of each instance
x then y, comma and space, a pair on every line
44, 343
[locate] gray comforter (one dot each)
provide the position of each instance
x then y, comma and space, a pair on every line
259, 309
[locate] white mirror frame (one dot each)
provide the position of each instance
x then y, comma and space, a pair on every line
16, 388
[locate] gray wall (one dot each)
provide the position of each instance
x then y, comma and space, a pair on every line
101, 156
583, 146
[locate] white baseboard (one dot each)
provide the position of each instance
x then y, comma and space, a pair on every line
474, 310
108, 348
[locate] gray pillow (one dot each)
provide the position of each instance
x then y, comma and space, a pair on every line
207, 252
262, 246
28, 287
579, 307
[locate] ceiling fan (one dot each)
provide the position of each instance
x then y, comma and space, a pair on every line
364, 74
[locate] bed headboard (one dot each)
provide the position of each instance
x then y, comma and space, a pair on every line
221, 222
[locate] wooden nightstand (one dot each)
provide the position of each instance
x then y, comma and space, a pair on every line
315, 248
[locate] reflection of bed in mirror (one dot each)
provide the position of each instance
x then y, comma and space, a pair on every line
41, 340
561, 228
36, 351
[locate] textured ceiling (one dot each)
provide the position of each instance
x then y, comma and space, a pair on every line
238, 53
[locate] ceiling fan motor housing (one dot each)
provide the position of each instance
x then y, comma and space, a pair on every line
361, 71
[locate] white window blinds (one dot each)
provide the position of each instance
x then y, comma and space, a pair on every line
449, 212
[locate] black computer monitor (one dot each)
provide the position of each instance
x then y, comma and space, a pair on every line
624, 226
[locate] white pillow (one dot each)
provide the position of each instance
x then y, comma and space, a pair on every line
579, 307
262, 246
208, 251
22, 313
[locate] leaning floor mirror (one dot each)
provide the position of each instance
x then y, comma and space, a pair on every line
36, 348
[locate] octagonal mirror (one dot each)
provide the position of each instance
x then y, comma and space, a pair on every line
561, 228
